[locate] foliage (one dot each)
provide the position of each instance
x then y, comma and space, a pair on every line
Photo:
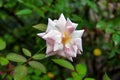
22, 53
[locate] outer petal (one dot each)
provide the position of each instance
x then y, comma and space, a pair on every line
54, 35
61, 53
71, 50
51, 25
50, 54
78, 42
58, 46
70, 58
70, 26
61, 23
49, 48
41, 34
77, 34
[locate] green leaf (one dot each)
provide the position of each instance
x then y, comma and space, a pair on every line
3, 61
1, 3
24, 12
63, 63
37, 65
81, 69
41, 27
105, 77
20, 72
16, 57
76, 76
38, 10
26, 52
38, 56
109, 30
69, 79
101, 25
116, 38
2, 44
89, 79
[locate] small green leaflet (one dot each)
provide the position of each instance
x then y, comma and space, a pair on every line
76, 76
41, 27
26, 52
2, 44
116, 38
38, 56
16, 57
63, 63
3, 61
105, 77
37, 65
24, 12
20, 72
89, 79
81, 69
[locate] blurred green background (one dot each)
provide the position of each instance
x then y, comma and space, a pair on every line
101, 40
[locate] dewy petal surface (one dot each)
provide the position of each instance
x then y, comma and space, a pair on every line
62, 39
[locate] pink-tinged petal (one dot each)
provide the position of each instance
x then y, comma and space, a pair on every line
49, 48
75, 48
50, 41
78, 42
51, 25
54, 35
70, 26
70, 52
50, 54
58, 46
41, 34
70, 58
70, 23
61, 53
77, 34
61, 23
67, 50
79, 52
55, 20
74, 24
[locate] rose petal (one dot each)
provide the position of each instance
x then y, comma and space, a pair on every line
50, 54
51, 25
54, 35
70, 52
61, 23
61, 53
70, 58
58, 46
78, 42
77, 34
41, 34
49, 48
70, 26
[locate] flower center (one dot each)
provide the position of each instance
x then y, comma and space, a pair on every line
66, 38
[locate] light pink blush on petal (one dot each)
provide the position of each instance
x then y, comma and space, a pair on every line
49, 48
70, 27
51, 25
58, 46
60, 23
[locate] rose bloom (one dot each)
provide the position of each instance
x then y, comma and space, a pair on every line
62, 39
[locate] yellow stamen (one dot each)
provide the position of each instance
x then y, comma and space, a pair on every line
66, 38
